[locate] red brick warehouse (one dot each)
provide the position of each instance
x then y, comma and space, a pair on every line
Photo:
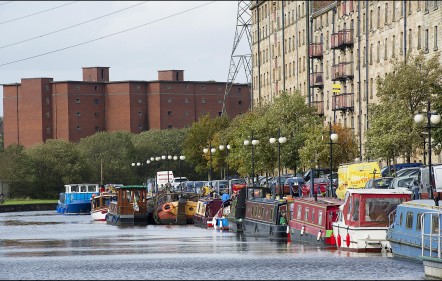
38, 109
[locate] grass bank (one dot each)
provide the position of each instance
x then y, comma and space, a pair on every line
28, 201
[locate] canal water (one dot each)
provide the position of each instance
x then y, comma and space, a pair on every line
45, 245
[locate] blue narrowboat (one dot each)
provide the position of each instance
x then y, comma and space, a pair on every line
413, 221
77, 198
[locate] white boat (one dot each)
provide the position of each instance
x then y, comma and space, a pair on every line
100, 205
363, 219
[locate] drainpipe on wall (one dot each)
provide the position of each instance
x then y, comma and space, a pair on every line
259, 58
366, 61
359, 84
404, 4
308, 19
283, 46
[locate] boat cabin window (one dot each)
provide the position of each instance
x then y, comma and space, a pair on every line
83, 188
378, 209
320, 217
435, 223
298, 215
74, 188
400, 219
313, 216
356, 209
91, 188
418, 222
271, 214
409, 220
306, 214
136, 195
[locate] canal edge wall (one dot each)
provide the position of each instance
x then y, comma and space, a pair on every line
28, 207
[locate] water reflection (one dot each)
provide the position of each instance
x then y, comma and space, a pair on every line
46, 245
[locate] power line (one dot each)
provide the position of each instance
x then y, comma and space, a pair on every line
106, 36
44, 11
46, 34
4, 3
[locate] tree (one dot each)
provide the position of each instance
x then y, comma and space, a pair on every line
316, 149
54, 164
16, 170
199, 135
403, 93
115, 150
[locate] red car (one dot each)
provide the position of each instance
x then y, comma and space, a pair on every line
320, 183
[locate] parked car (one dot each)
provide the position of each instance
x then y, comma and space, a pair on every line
334, 177
388, 170
318, 184
191, 186
403, 182
219, 186
383, 183
177, 181
414, 171
295, 183
278, 187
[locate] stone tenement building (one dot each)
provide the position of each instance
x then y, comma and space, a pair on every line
38, 109
313, 46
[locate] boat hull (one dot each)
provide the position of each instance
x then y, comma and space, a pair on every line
119, 219
81, 207
432, 267
296, 236
263, 229
99, 215
361, 239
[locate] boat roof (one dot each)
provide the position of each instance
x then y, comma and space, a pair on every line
321, 200
131, 187
422, 203
378, 191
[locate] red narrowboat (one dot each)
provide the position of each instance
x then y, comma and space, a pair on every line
312, 220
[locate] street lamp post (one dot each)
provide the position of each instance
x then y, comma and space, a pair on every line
432, 118
254, 142
156, 173
281, 140
182, 157
138, 165
210, 150
147, 172
221, 148
333, 137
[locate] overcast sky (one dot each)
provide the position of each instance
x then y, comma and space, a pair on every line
134, 38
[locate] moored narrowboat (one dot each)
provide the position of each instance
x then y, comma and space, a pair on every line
206, 209
130, 207
363, 218
173, 208
312, 220
237, 211
410, 220
266, 216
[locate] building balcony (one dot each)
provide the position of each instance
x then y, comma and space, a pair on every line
319, 105
343, 102
342, 71
317, 79
315, 50
342, 39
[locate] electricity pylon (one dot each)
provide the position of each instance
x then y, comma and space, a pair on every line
243, 27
